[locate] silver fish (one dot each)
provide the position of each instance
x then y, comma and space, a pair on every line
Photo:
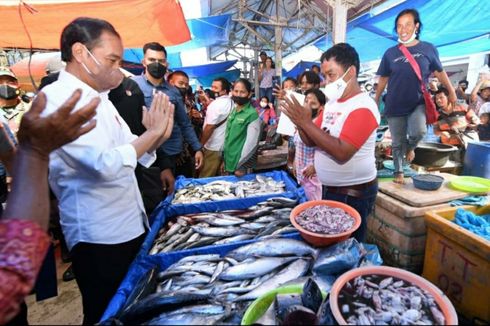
273, 247
294, 270
259, 267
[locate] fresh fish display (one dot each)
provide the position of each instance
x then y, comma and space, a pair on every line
208, 289
221, 190
382, 300
267, 219
325, 220
307, 308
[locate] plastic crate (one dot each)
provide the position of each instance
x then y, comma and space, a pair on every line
458, 262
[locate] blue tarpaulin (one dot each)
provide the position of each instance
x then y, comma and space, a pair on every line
136, 56
292, 191
230, 75
205, 31
207, 69
446, 23
299, 68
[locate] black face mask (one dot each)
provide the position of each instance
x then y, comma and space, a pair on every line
212, 95
8, 92
240, 100
156, 70
182, 91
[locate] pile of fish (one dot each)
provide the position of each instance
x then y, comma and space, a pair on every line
307, 308
324, 219
221, 190
269, 218
209, 289
382, 300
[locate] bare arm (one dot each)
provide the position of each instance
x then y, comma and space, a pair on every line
474, 92
206, 133
444, 79
382, 82
37, 138
304, 137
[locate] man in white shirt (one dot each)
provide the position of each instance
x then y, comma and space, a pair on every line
101, 209
213, 134
344, 158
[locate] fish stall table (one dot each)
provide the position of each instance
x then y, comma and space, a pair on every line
217, 284
397, 225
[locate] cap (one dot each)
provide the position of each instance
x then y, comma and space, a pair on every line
485, 84
55, 64
5, 71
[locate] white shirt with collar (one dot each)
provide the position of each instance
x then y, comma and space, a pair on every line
93, 176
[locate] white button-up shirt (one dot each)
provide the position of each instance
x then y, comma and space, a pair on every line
93, 176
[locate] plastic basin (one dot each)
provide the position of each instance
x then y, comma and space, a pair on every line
427, 181
471, 184
262, 303
432, 154
442, 301
323, 240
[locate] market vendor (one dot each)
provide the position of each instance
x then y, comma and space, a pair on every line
457, 123
242, 132
344, 155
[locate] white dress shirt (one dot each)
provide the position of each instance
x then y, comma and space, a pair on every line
93, 176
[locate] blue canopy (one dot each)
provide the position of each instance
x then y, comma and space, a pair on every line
206, 31
230, 75
136, 56
299, 68
446, 23
207, 69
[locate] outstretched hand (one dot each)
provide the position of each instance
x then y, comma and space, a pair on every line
45, 134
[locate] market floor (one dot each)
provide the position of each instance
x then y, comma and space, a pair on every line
64, 309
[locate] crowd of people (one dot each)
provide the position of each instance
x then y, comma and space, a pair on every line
115, 144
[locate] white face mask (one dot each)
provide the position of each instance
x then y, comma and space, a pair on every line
335, 89
263, 104
414, 35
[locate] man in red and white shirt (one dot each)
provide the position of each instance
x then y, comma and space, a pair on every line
344, 159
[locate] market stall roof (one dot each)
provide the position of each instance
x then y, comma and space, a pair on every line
302, 22
137, 21
456, 27
299, 68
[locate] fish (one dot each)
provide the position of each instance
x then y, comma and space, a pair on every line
282, 302
153, 304
223, 228
324, 314
222, 190
268, 318
312, 295
294, 270
144, 286
259, 267
273, 247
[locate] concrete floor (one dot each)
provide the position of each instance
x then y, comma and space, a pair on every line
64, 309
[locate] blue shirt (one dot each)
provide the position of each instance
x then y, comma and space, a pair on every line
404, 92
182, 125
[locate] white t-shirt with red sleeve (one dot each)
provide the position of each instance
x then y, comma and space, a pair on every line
354, 120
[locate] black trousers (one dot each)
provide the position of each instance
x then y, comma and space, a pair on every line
99, 270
